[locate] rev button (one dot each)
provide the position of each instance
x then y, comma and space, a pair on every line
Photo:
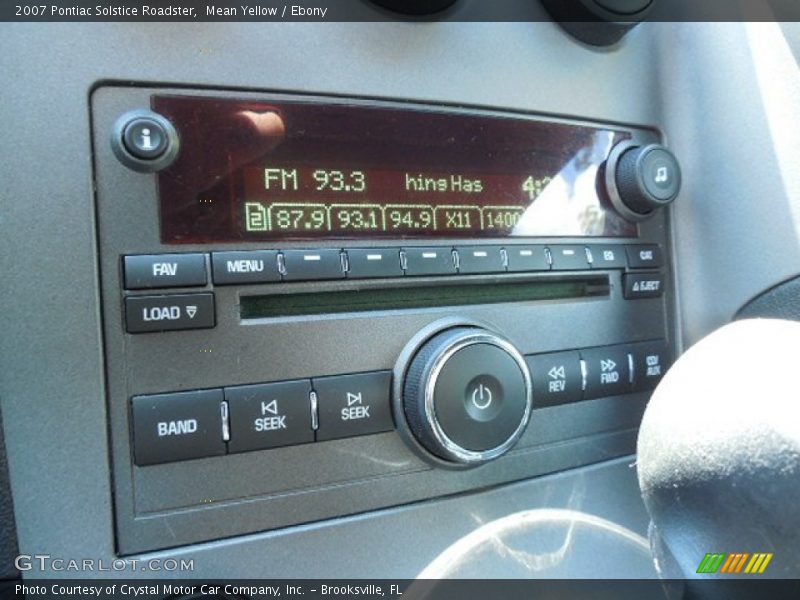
351, 405
556, 378
269, 415
172, 312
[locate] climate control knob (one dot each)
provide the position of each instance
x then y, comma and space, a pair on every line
641, 179
467, 396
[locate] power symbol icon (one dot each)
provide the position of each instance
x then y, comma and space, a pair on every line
482, 397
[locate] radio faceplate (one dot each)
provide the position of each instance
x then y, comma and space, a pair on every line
308, 333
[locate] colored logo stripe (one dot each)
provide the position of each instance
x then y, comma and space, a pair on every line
758, 563
734, 562
710, 563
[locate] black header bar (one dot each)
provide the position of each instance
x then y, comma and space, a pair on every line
367, 11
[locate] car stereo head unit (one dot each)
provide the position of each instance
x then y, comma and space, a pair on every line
289, 170
318, 306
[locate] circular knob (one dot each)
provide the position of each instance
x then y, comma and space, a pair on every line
144, 141
467, 395
415, 7
641, 179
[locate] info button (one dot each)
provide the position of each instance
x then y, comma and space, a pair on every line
351, 405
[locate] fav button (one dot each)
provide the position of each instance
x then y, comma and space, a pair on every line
269, 415
148, 271
180, 426
172, 312
352, 405
607, 371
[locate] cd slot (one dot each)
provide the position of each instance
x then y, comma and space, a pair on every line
420, 296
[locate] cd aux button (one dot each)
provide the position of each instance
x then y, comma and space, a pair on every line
260, 266
650, 362
173, 312
312, 265
149, 271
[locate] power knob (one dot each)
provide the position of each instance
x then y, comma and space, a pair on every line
467, 396
641, 179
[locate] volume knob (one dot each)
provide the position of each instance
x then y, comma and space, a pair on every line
467, 396
641, 179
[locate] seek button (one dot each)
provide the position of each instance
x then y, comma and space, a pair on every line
352, 405
269, 415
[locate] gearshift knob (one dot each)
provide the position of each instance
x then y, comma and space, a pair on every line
719, 454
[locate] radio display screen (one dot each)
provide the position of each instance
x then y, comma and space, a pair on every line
292, 170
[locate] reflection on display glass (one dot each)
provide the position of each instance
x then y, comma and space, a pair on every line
251, 171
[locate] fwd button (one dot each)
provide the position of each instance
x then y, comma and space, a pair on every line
351, 405
607, 371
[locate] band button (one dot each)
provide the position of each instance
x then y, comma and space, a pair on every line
179, 426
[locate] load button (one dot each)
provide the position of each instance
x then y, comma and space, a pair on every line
169, 313
352, 405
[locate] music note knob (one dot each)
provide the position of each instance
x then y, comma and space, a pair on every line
641, 179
